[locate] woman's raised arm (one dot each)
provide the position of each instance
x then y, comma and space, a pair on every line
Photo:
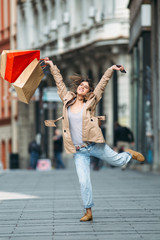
104, 81
61, 87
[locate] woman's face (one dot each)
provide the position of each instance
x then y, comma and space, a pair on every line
83, 88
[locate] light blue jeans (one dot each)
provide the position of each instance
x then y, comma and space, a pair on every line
82, 162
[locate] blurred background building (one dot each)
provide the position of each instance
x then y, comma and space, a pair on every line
145, 79
8, 103
86, 36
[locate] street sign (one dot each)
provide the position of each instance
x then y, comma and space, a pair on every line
50, 95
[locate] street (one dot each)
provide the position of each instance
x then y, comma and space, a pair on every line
47, 205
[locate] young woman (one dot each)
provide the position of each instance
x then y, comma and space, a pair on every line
81, 132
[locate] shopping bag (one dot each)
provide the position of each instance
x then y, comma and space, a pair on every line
3, 61
17, 62
44, 165
28, 81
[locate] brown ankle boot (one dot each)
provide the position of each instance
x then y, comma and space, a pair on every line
86, 217
136, 155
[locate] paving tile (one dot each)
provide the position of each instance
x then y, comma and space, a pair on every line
31, 238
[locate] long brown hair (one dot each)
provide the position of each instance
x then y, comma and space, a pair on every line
76, 81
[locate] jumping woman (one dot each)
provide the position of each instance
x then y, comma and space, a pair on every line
82, 135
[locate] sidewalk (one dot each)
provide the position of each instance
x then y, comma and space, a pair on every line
47, 205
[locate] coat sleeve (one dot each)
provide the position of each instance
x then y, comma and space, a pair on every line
61, 87
102, 84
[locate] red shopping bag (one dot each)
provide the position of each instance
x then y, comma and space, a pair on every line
17, 62
3, 61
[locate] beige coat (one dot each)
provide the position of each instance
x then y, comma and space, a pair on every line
91, 131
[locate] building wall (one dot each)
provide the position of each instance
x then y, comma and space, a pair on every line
155, 54
4, 24
145, 80
7, 40
26, 131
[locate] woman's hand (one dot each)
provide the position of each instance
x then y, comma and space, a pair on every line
48, 62
119, 68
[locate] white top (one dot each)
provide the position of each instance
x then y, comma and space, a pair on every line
75, 124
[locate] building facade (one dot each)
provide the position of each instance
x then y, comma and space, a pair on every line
155, 65
83, 37
8, 107
143, 47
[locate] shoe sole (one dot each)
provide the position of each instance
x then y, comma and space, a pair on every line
87, 220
